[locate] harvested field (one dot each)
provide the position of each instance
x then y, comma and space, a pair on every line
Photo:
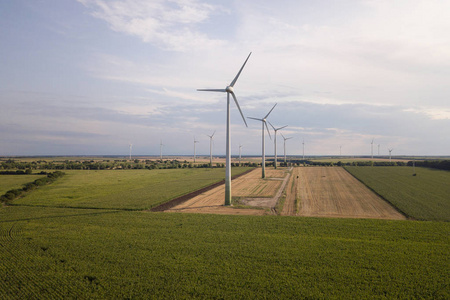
264, 192
333, 192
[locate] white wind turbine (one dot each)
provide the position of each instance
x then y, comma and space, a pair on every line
160, 150
195, 142
210, 148
285, 139
240, 147
378, 149
131, 145
303, 143
275, 141
371, 144
264, 122
229, 90
390, 151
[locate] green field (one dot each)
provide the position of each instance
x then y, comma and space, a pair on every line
9, 182
122, 189
88, 254
423, 197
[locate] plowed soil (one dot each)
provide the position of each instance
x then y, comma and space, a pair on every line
333, 192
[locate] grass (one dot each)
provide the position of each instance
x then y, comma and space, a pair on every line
122, 189
9, 182
90, 254
423, 197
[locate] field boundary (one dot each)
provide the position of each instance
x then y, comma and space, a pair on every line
181, 199
390, 203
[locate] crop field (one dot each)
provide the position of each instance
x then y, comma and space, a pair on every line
122, 189
81, 253
9, 182
333, 192
423, 197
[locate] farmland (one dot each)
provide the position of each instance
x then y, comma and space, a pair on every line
122, 189
423, 197
63, 252
9, 182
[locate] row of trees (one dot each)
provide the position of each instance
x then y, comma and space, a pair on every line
435, 164
15, 193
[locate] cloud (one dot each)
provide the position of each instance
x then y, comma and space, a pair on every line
168, 24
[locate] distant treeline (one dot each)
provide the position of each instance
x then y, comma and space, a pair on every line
15, 193
28, 167
435, 164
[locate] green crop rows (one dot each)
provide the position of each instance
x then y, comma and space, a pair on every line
89, 254
425, 196
123, 189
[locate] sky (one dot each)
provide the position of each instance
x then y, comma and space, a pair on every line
89, 77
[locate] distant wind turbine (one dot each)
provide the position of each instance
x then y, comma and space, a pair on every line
371, 144
264, 122
195, 142
160, 150
285, 139
275, 141
378, 149
210, 148
303, 149
340, 150
240, 146
229, 90
131, 145
390, 151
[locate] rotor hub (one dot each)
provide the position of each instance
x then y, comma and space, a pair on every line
229, 89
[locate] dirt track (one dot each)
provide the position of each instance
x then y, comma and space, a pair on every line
333, 192
250, 186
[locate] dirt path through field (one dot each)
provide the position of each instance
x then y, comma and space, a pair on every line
254, 191
333, 192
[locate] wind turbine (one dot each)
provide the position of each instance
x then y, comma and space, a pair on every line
240, 146
303, 149
195, 142
210, 148
160, 150
275, 141
229, 90
378, 149
264, 122
285, 138
372, 148
131, 145
390, 151
340, 150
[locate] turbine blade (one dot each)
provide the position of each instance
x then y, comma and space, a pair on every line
212, 90
237, 104
213, 133
272, 127
282, 127
282, 135
268, 130
239, 73
270, 111
255, 119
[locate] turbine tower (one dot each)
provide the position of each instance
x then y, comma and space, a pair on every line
378, 149
210, 148
340, 150
264, 122
195, 142
303, 149
371, 144
131, 145
285, 138
240, 146
275, 141
160, 150
390, 151
229, 90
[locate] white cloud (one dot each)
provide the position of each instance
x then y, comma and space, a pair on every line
169, 24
